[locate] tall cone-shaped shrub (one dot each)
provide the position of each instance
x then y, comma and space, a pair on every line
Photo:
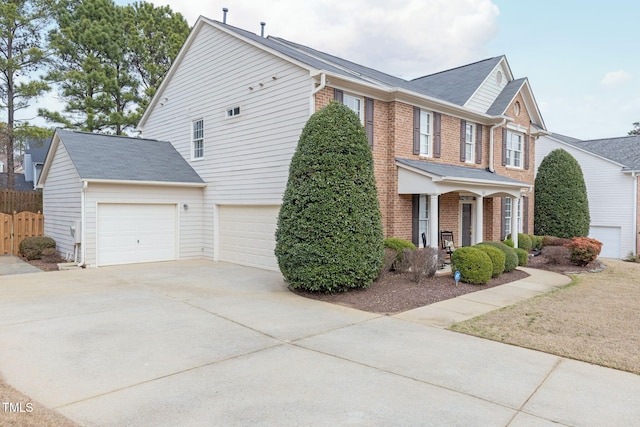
329, 236
561, 205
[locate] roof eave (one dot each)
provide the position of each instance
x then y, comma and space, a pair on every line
146, 183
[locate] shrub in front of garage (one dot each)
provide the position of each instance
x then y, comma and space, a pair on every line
35, 247
329, 235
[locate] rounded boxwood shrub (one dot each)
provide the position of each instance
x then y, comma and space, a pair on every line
474, 265
34, 247
524, 241
523, 257
497, 258
511, 259
329, 234
398, 245
508, 242
536, 242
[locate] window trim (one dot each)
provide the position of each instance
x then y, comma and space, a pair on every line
195, 140
510, 158
231, 113
423, 218
428, 135
348, 96
507, 219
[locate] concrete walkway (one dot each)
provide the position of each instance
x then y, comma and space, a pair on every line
202, 343
10, 264
445, 313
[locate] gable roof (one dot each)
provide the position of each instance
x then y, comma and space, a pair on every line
458, 84
98, 157
505, 98
623, 150
451, 88
38, 149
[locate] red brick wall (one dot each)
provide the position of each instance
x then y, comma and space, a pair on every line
393, 137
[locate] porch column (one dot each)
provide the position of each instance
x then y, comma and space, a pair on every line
434, 235
515, 211
479, 237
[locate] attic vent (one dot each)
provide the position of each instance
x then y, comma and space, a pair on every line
499, 77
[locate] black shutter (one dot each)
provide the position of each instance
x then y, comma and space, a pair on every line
338, 95
368, 119
437, 125
525, 215
463, 139
504, 146
479, 144
415, 213
416, 130
503, 213
526, 151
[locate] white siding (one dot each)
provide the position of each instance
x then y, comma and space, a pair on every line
610, 191
489, 90
246, 158
189, 221
61, 201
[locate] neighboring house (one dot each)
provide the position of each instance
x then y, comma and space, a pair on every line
122, 200
34, 156
610, 167
19, 182
452, 150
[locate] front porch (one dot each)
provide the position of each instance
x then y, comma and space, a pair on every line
464, 200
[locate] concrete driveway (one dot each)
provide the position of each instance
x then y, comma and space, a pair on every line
202, 343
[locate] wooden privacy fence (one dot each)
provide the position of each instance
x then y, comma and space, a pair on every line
15, 228
18, 201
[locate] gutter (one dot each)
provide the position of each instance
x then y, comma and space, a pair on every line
312, 99
83, 227
635, 212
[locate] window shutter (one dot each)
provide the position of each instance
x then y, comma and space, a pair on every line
368, 121
416, 130
503, 213
525, 214
415, 212
504, 146
437, 124
526, 151
338, 95
479, 144
463, 138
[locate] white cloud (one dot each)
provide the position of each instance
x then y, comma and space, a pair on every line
405, 38
616, 78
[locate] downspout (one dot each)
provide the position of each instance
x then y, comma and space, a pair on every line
635, 212
494, 127
312, 100
83, 225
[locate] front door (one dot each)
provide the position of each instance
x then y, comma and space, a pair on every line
466, 224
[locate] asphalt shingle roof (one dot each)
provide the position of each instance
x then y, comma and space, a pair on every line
38, 149
108, 157
503, 100
453, 171
624, 150
19, 182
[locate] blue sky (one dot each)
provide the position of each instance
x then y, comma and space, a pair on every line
580, 56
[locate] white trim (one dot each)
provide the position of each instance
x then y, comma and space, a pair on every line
193, 139
473, 142
635, 213
155, 183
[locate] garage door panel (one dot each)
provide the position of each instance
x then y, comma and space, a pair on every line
131, 233
247, 235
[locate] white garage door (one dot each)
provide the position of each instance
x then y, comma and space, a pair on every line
129, 233
610, 238
247, 235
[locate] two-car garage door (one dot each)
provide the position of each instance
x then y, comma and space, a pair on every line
131, 233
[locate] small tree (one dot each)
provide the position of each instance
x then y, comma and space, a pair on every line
561, 204
329, 236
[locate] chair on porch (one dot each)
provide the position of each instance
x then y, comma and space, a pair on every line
446, 242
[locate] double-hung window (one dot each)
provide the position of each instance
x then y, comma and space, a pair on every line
197, 139
508, 214
354, 103
514, 149
470, 143
423, 219
426, 146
